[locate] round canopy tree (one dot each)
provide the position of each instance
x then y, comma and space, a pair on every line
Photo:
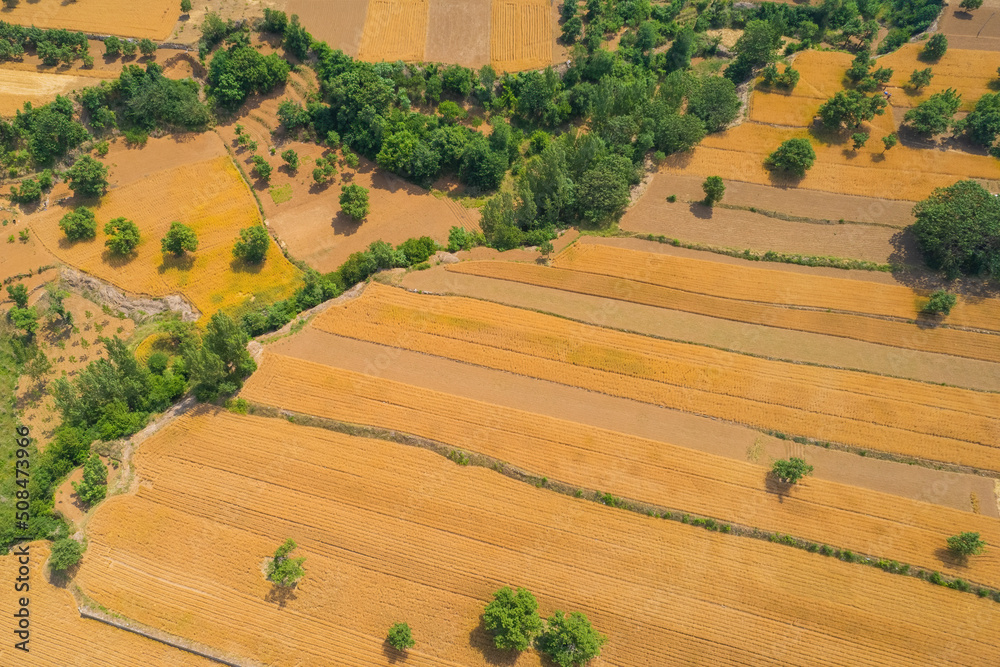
512, 618
794, 156
87, 177
958, 229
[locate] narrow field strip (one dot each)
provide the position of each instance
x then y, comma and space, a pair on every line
417, 537
825, 404
645, 470
741, 283
967, 344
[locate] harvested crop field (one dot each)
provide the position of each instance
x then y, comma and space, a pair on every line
520, 35
824, 206
646, 470
22, 260
457, 32
212, 198
18, 87
978, 30
339, 23
394, 30
390, 531
735, 229
822, 75
971, 73
149, 18
758, 340
59, 636
852, 408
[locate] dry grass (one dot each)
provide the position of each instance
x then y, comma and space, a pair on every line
209, 196
520, 35
857, 409
627, 466
392, 532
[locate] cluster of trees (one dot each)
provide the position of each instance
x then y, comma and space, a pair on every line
31, 189
54, 47
114, 47
568, 640
37, 136
241, 70
144, 99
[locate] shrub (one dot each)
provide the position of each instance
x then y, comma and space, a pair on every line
283, 570
354, 201
966, 544
794, 156
123, 236
936, 46
79, 224
512, 618
261, 168
714, 190
570, 640
400, 637
66, 553
791, 470
147, 47
185, 6
940, 302
93, 487
291, 158
252, 244
157, 362
179, 239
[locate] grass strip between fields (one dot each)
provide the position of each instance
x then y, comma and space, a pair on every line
467, 458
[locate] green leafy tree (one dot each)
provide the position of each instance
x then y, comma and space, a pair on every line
179, 239
400, 637
66, 552
112, 46
291, 158
934, 115
793, 156
714, 100
252, 244
450, 112
921, 78
283, 570
147, 47
18, 294
87, 177
755, 47
79, 224
185, 6
983, 125
889, 141
354, 201
123, 236
512, 618
967, 544
941, 302
570, 640
262, 168
602, 193
850, 108
571, 30
714, 190
936, 46
970, 5
24, 319
791, 470
859, 139
221, 363
94, 485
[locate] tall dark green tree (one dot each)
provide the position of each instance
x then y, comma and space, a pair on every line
958, 230
512, 618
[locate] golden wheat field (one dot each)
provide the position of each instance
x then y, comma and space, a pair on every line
652, 471
520, 35
971, 73
821, 76
129, 18
394, 30
416, 537
939, 340
848, 407
770, 286
60, 636
212, 198
18, 87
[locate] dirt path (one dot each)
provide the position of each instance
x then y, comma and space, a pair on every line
135, 307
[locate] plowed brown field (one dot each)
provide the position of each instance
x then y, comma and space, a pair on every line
979, 30
391, 532
149, 18
395, 30
769, 285
853, 408
637, 468
520, 35
211, 197
59, 636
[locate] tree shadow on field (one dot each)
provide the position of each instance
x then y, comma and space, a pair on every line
775, 485
281, 595
962, 15
950, 558
344, 224
116, 261
701, 211
238, 265
481, 640
170, 261
392, 654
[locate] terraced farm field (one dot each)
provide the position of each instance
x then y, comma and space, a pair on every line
149, 18
636, 468
416, 537
59, 636
216, 209
851, 408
